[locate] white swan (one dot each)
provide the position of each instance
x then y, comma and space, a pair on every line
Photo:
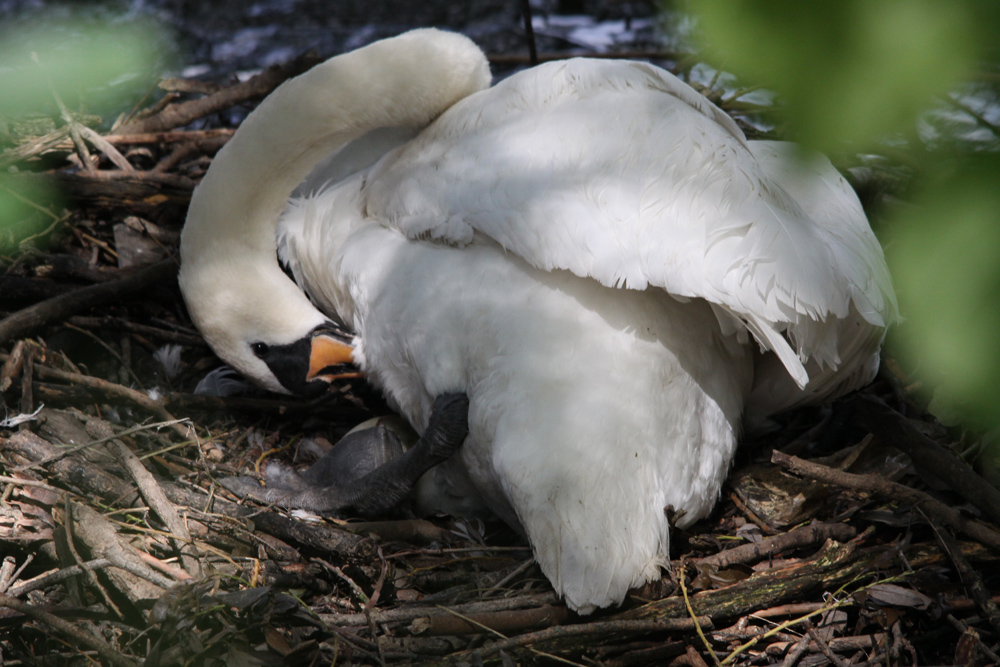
590, 250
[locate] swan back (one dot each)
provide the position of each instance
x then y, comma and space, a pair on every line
622, 173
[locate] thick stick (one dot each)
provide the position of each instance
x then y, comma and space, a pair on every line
60, 307
109, 654
257, 87
895, 429
886, 489
799, 537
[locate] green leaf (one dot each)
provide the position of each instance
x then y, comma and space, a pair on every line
847, 70
945, 256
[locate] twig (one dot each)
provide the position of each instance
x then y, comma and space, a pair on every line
358, 593
756, 520
4, 479
858, 643
62, 306
882, 487
102, 537
105, 147
491, 630
690, 610
823, 646
9, 574
479, 610
779, 628
119, 392
598, 628
969, 577
27, 393
89, 574
257, 87
789, 610
517, 571
896, 430
63, 453
529, 32
33, 147
695, 659
108, 654
963, 628
173, 180
836, 565
459, 621
176, 573
122, 324
793, 656
179, 136
13, 365
799, 537
377, 591
158, 501
55, 576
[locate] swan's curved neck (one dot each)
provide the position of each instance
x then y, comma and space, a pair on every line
405, 81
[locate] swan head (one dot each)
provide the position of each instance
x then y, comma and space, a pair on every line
248, 310
260, 323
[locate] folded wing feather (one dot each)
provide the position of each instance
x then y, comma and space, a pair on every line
657, 187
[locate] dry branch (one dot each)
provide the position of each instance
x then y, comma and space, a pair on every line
835, 565
13, 365
151, 491
971, 578
800, 537
55, 576
195, 137
447, 623
112, 392
562, 634
898, 431
886, 489
122, 324
74, 471
70, 630
34, 317
257, 87
317, 535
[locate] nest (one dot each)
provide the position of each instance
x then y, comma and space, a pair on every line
854, 534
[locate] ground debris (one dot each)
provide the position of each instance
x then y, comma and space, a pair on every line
121, 547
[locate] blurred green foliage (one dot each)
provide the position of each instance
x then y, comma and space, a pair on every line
77, 61
945, 258
853, 77
84, 59
21, 216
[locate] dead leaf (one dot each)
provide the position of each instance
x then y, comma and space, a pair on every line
891, 595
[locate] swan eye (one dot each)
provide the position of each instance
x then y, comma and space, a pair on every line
260, 349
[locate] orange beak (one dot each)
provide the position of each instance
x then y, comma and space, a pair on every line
330, 359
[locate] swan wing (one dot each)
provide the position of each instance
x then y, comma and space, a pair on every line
623, 173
